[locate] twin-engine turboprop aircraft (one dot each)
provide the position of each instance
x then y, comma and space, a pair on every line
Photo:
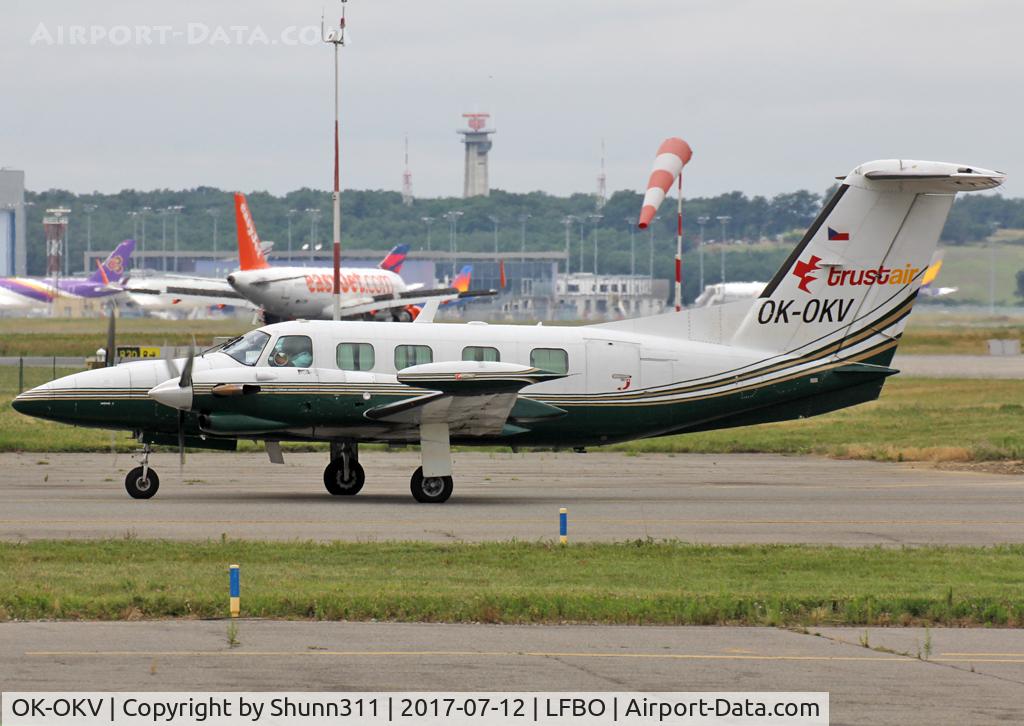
820, 337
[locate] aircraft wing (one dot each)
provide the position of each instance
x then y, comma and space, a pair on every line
372, 303
473, 398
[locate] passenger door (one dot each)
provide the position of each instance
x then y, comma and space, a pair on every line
612, 365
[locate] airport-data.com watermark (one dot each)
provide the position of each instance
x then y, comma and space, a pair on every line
201, 34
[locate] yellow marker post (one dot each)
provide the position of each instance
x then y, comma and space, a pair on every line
235, 591
563, 525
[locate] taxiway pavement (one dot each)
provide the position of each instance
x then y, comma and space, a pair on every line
962, 676
500, 496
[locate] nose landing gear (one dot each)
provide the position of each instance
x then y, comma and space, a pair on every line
142, 482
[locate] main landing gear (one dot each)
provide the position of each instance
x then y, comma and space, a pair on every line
142, 482
344, 476
431, 483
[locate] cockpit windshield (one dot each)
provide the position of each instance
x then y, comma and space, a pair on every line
246, 349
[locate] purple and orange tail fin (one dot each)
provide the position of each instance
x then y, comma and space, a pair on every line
394, 259
111, 269
250, 254
463, 279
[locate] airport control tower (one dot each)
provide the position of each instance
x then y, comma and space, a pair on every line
477, 139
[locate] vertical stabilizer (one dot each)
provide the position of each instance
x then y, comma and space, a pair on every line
250, 254
853, 278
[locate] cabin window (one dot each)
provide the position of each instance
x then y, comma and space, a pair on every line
355, 356
555, 360
247, 348
292, 351
481, 354
412, 355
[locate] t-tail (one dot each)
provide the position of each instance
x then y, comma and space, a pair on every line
394, 259
250, 253
114, 267
848, 286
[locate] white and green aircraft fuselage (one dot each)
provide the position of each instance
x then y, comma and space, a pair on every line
820, 337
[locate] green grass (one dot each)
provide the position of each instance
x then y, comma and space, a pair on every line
632, 582
968, 268
82, 336
916, 419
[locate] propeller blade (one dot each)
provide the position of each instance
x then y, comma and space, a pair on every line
170, 364
181, 440
186, 374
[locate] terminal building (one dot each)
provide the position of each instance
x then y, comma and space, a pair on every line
603, 297
12, 223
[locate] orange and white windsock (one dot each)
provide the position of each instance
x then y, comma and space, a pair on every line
673, 154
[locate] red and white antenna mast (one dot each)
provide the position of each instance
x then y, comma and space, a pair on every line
602, 184
407, 178
336, 37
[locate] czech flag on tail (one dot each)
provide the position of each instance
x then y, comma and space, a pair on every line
834, 236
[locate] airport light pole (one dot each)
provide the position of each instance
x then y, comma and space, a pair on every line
594, 219
213, 215
724, 220
291, 213
314, 215
523, 219
495, 221
88, 209
427, 221
336, 37
583, 239
175, 210
702, 220
163, 243
453, 234
142, 242
135, 232
567, 222
650, 252
632, 246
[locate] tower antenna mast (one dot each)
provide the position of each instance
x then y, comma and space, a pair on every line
336, 37
407, 178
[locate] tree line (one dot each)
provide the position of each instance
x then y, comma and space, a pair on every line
535, 221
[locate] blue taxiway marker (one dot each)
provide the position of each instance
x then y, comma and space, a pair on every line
236, 591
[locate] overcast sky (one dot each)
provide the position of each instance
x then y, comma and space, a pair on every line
772, 96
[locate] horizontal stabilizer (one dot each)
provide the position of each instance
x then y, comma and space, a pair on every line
866, 369
526, 410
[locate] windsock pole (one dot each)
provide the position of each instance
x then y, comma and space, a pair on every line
679, 247
673, 155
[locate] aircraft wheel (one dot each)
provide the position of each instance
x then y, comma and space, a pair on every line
139, 486
432, 490
336, 483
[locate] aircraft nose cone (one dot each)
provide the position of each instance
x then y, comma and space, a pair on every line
169, 393
27, 405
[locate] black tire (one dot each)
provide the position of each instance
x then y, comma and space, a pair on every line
139, 487
337, 486
434, 490
403, 316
